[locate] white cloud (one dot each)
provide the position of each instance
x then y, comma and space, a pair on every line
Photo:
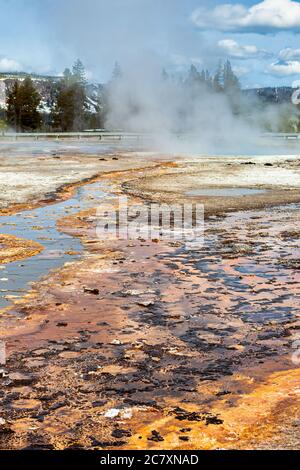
290, 67
238, 51
288, 63
289, 54
261, 17
9, 65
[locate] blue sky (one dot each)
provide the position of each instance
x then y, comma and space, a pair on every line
261, 38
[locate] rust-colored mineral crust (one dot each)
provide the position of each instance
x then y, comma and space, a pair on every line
14, 249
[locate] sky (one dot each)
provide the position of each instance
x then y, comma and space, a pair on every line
261, 38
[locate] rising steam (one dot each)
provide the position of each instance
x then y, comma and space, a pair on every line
179, 115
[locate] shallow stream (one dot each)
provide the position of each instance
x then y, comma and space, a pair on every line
40, 225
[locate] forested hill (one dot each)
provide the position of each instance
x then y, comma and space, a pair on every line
271, 94
46, 86
46, 83
72, 103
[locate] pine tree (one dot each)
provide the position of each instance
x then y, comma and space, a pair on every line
79, 73
80, 106
30, 100
68, 77
71, 102
64, 113
231, 83
13, 112
117, 71
218, 80
22, 106
208, 78
194, 76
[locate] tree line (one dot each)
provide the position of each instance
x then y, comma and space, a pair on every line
72, 109
69, 110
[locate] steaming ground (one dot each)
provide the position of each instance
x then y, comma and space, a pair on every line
30, 171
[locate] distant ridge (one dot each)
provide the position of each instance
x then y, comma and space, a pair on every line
275, 95
22, 75
278, 95
46, 85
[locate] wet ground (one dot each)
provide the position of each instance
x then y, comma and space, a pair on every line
156, 344
39, 225
224, 184
225, 192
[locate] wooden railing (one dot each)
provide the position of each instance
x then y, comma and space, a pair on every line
118, 135
103, 135
282, 135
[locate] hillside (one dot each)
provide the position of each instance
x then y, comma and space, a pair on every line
275, 95
47, 87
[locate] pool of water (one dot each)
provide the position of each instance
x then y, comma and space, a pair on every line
40, 225
224, 192
278, 316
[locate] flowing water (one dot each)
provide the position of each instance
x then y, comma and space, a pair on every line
40, 225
